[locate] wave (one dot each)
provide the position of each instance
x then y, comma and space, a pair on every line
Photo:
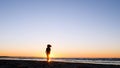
108, 61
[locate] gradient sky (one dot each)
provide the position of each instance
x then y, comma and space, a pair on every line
74, 28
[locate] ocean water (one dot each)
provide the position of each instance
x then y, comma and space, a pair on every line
107, 61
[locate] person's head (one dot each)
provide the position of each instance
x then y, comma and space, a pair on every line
48, 45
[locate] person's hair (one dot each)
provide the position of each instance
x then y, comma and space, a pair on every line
48, 45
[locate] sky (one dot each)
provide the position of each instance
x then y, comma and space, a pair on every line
74, 28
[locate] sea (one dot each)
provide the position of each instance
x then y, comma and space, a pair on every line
107, 61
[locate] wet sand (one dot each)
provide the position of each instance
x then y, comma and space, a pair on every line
44, 64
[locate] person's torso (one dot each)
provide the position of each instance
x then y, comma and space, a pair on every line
48, 49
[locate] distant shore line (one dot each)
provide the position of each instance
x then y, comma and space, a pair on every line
58, 57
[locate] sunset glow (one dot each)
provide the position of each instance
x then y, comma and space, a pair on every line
80, 28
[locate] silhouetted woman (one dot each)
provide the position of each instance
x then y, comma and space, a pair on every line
48, 52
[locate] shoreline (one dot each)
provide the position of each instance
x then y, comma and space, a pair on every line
52, 64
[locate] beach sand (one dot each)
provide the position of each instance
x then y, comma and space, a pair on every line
44, 64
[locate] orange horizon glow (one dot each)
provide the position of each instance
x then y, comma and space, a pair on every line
62, 55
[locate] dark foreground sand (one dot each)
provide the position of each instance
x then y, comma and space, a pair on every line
44, 64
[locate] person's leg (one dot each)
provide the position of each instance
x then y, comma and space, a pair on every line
48, 57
